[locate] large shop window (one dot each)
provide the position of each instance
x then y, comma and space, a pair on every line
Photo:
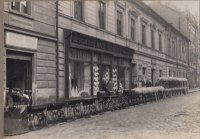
96, 74
105, 71
124, 74
22, 7
79, 73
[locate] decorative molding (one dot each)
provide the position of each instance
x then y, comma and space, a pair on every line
144, 20
133, 12
153, 26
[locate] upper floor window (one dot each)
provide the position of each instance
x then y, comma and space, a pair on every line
144, 71
173, 48
102, 15
143, 34
169, 46
22, 7
152, 38
119, 23
160, 73
160, 42
132, 29
78, 10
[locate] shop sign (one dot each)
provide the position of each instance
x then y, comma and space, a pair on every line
21, 41
85, 40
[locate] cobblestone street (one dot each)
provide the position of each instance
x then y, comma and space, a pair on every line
174, 118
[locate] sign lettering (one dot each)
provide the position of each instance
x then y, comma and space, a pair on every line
82, 39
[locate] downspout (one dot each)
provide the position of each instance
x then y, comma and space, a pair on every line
57, 53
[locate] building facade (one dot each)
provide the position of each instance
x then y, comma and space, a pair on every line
184, 22
75, 47
30, 48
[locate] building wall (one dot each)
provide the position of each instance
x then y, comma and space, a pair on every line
42, 25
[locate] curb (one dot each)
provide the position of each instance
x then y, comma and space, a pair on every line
190, 91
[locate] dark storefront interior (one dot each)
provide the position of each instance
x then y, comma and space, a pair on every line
18, 73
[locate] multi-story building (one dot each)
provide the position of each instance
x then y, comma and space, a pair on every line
121, 24
75, 47
187, 25
30, 47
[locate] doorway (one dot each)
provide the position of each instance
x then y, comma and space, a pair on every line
153, 76
19, 74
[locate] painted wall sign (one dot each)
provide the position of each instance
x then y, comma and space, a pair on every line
85, 40
21, 41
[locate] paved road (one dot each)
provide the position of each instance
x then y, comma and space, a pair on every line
174, 118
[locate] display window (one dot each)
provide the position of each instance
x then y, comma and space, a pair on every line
18, 77
80, 79
91, 72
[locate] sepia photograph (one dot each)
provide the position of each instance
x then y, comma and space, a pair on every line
105, 69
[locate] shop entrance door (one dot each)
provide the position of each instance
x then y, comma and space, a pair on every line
19, 73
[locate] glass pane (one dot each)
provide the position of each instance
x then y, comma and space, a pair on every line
106, 59
115, 77
124, 78
96, 57
96, 84
80, 79
23, 7
105, 77
80, 54
114, 60
15, 6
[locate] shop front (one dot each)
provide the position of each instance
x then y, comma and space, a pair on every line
20, 50
91, 63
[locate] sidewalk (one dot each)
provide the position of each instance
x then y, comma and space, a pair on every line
194, 89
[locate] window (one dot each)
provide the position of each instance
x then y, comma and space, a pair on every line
179, 51
143, 35
102, 10
119, 23
78, 10
173, 48
152, 38
160, 42
169, 47
22, 7
169, 73
80, 79
143, 71
132, 29
160, 73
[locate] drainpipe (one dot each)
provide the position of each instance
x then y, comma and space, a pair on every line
57, 52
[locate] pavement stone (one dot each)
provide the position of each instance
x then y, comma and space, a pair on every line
173, 118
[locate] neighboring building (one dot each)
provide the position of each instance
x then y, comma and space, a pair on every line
75, 47
30, 48
187, 25
121, 24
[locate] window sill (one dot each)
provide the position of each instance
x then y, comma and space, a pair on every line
21, 14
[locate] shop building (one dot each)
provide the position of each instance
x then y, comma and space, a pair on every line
185, 23
30, 49
71, 49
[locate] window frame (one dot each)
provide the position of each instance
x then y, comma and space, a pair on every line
133, 15
152, 38
169, 46
119, 31
83, 11
120, 8
160, 42
21, 13
105, 15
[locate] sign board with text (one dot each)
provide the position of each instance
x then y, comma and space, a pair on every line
21, 41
